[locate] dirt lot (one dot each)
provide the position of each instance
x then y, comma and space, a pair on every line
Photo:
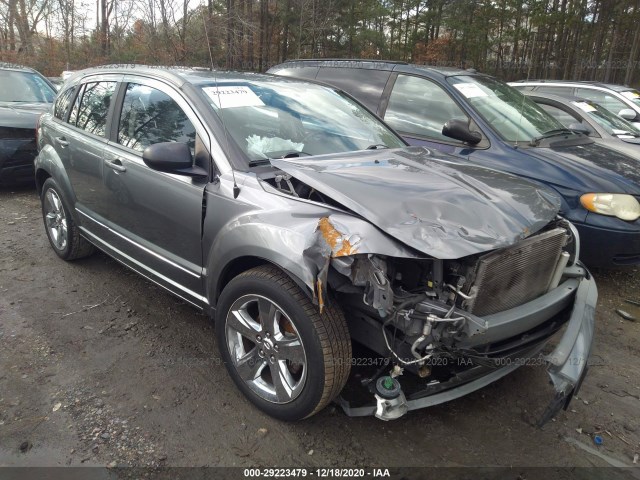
100, 367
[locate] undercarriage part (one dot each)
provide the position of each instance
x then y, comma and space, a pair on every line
390, 400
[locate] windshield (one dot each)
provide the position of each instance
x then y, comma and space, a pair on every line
632, 95
510, 113
274, 118
24, 87
612, 123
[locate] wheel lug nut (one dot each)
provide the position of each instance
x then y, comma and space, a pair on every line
261, 353
268, 335
272, 359
276, 348
259, 338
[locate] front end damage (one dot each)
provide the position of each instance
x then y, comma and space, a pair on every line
454, 274
449, 327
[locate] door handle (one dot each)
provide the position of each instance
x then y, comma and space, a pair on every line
62, 142
116, 165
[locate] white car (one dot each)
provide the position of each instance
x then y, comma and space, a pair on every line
623, 101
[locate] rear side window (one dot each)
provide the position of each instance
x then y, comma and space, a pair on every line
420, 107
151, 116
62, 103
366, 85
92, 106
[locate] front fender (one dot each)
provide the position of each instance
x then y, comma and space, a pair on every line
299, 245
49, 161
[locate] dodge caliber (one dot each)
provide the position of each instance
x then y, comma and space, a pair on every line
305, 226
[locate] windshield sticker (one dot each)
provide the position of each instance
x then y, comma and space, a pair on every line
231, 97
470, 90
631, 94
584, 106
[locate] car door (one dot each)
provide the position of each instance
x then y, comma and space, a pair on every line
418, 108
84, 139
156, 216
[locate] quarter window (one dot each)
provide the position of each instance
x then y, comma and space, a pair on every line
62, 103
420, 107
151, 116
93, 107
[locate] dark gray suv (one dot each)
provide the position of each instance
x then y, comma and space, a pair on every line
300, 222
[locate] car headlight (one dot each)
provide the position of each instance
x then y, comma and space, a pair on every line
620, 205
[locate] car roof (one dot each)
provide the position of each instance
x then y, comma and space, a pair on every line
557, 98
582, 83
373, 64
175, 74
16, 68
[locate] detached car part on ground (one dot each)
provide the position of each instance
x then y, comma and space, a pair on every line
24, 96
486, 122
301, 223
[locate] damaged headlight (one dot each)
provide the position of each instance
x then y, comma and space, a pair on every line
623, 206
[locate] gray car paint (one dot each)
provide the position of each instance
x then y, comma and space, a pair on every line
247, 220
448, 209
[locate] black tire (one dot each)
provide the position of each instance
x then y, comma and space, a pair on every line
65, 240
324, 337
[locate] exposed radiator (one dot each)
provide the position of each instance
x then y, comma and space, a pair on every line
512, 276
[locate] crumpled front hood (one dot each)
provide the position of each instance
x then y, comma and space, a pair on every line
21, 115
433, 203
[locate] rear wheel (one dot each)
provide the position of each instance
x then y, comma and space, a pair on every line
285, 356
64, 235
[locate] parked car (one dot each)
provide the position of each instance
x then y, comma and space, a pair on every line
299, 221
488, 123
24, 95
585, 116
56, 82
623, 101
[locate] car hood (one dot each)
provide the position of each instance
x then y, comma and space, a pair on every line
21, 115
592, 166
435, 204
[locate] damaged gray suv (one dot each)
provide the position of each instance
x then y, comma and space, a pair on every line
309, 231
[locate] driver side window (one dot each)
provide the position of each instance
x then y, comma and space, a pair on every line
150, 116
420, 107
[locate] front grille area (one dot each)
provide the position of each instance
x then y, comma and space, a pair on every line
512, 276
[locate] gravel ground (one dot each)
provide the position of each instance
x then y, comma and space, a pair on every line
100, 367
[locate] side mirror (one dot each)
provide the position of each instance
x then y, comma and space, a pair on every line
627, 114
459, 130
579, 128
172, 157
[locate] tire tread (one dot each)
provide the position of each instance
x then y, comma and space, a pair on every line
331, 327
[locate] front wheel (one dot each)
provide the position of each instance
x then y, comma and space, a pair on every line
286, 358
64, 235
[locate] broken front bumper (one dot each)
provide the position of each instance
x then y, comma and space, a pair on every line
567, 364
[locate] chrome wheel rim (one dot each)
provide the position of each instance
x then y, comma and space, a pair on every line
266, 349
56, 220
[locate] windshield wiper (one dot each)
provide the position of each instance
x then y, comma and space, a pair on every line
376, 146
260, 161
551, 133
267, 161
